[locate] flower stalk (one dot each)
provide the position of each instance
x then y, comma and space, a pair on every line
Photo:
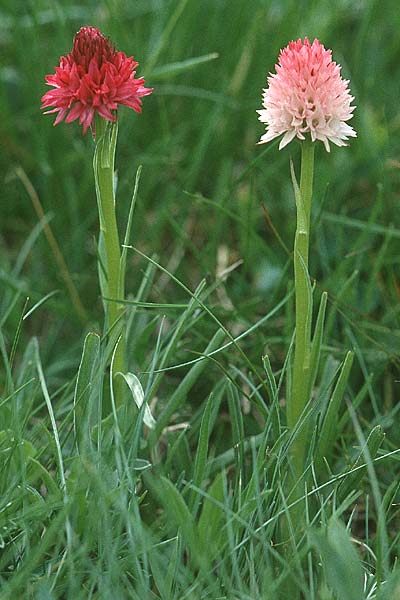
300, 391
109, 243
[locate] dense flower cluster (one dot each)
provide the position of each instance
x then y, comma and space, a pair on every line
307, 95
93, 78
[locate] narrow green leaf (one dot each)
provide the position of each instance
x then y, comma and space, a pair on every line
341, 563
309, 299
299, 396
179, 515
273, 395
107, 144
389, 500
138, 395
7, 366
39, 303
271, 383
328, 377
10, 384
211, 518
359, 398
122, 263
200, 462
329, 426
301, 215
102, 267
83, 388
181, 66
253, 496
237, 425
317, 341
372, 445
157, 305
52, 417
369, 228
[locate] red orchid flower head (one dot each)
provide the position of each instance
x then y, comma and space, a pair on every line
93, 78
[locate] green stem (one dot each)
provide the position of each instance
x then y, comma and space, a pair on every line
300, 382
109, 243
299, 393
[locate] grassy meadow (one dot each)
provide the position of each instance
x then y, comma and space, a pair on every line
199, 507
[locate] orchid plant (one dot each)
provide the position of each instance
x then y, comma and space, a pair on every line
307, 99
89, 85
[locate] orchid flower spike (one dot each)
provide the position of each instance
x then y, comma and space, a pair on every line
93, 78
307, 95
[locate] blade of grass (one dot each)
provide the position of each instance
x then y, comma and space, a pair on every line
175, 68
83, 387
329, 426
373, 443
317, 342
200, 461
122, 263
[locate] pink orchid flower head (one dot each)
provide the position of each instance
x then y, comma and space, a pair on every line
307, 95
93, 79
